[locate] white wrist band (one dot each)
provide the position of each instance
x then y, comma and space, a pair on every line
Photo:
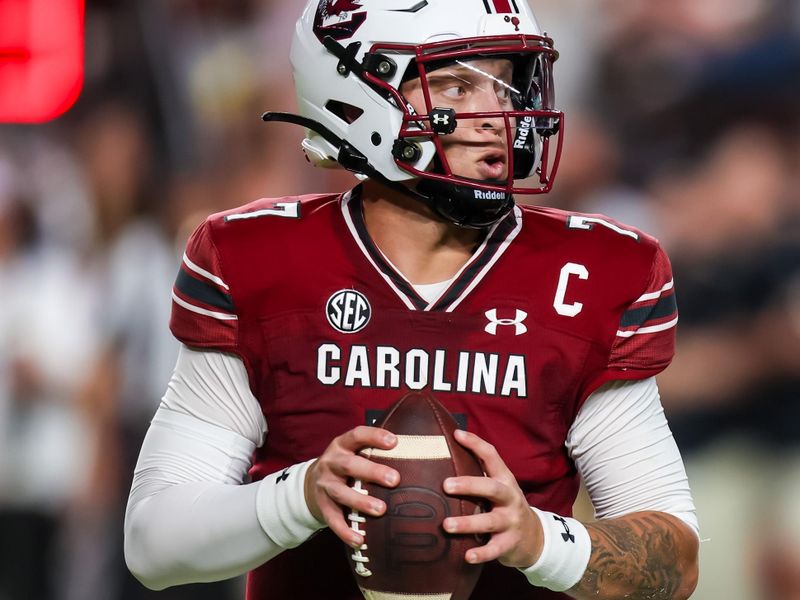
281, 507
565, 553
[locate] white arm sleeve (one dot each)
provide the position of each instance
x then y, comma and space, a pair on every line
214, 388
626, 455
189, 518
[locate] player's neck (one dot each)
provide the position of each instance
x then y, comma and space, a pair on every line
424, 247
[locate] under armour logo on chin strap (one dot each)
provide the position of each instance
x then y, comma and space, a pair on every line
282, 477
517, 322
567, 537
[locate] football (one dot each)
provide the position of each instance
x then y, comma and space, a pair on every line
407, 553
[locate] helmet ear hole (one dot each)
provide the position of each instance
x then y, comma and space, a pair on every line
346, 112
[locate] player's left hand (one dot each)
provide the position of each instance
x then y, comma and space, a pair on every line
515, 531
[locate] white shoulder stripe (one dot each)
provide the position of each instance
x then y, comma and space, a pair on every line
202, 311
203, 272
654, 295
651, 329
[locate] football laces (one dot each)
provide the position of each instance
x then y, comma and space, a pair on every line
356, 519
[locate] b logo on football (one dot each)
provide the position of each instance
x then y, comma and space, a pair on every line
413, 531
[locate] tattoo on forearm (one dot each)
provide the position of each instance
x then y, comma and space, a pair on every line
636, 558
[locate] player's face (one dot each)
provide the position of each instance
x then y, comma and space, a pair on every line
478, 148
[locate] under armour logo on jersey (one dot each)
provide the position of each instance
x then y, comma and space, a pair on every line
567, 536
282, 477
517, 322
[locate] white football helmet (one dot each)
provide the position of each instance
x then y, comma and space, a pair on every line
350, 59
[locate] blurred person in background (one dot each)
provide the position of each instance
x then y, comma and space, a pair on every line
134, 254
733, 392
249, 309
48, 338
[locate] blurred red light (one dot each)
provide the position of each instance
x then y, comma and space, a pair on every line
41, 58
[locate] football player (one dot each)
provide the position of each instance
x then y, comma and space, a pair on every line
303, 318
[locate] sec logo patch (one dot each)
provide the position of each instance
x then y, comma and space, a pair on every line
348, 311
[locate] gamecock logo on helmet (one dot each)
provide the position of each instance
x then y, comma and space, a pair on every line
338, 19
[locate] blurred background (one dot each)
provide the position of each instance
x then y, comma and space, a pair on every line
683, 119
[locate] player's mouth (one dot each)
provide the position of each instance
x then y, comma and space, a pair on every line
492, 165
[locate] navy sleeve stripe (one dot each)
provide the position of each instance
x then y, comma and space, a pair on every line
203, 292
665, 307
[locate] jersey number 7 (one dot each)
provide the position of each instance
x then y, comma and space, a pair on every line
288, 210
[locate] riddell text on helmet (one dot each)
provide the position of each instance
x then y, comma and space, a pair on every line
489, 195
523, 133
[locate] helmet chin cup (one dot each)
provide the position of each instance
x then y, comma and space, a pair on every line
464, 205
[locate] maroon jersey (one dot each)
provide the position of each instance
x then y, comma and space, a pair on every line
549, 307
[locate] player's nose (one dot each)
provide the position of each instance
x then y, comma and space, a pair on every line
488, 101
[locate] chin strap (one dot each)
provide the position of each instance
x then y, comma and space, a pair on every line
459, 204
465, 205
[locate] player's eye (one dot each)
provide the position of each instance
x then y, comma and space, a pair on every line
454, 92
503, 92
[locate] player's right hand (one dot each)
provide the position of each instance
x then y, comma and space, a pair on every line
326, 485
